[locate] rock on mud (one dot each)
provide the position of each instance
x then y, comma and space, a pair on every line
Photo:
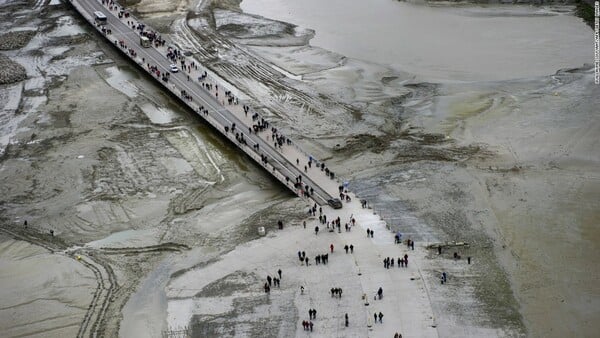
10, 71
15, 40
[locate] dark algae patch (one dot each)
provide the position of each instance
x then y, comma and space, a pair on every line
585, 11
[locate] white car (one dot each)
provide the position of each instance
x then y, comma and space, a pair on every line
173, 68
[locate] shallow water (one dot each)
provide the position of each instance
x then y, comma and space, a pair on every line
120, 78
441, 43
158, 115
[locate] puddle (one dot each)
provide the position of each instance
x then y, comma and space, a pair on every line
127, 238
120, 79
66, 27
158, 115
176, 166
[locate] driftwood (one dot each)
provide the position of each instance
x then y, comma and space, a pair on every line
446, 245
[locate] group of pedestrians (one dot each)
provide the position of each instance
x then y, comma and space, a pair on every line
402, 262
273, 281
337, 292
202, 110
202, 77
173, 54
308, 325
106, 31
260, 125
370, 233
410, 244
351, 247
230, 98
322, 259
184, 94
348, 248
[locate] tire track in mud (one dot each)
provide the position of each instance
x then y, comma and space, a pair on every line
30, 238
170, 246
97, 325
106, 282
250, 70
94, 322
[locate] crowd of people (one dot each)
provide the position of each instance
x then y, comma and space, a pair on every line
259, 125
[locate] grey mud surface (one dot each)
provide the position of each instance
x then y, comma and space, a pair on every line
85, 160
137, 190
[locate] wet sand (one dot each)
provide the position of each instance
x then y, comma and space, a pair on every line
27, 294
534, 165
126, 181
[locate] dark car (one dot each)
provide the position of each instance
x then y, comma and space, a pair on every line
335, 203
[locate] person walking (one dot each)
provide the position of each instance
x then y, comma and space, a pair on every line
346, 319
331, 247
380, 317
279, 272
351, 248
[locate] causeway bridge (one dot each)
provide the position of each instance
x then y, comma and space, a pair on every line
213, 102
